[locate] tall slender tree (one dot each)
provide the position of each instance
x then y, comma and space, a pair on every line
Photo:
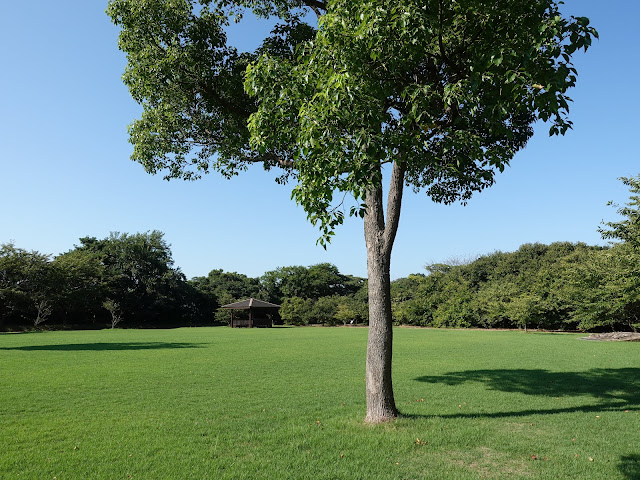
440, 93
626, 230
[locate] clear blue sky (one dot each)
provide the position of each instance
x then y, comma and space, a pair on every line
65, 171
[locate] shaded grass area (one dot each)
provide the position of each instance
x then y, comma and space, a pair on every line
98, 346
611, 388
288, 403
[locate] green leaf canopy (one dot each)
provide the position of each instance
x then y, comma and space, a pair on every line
450, 89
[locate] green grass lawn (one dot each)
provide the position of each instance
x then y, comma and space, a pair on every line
210, 403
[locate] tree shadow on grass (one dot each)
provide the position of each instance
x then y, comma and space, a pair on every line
105, 346
630, 466
611, 388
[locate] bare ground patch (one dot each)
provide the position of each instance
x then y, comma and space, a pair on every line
488, 463
614, 337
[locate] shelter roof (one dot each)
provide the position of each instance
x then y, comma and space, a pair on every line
250, 303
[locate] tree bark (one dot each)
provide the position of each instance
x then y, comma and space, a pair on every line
379, 237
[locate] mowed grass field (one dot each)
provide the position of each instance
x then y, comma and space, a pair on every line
288, 403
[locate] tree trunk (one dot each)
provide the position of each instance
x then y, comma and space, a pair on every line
380, 402
379, 239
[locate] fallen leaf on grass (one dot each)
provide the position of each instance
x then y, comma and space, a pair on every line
534, 457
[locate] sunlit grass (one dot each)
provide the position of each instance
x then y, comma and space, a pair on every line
289, 402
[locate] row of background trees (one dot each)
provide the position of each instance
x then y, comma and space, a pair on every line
131, 278
121, 277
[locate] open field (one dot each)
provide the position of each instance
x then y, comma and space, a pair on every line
207, 403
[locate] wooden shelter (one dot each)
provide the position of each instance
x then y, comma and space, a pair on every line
258, 311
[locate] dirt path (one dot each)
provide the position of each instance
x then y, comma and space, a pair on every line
614, 337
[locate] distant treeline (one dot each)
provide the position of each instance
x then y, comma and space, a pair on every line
121, 278
130, 280
562, 286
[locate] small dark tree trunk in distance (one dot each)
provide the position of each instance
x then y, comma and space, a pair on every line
43, 308
114, 309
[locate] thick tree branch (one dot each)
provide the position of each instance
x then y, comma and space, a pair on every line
394, 203
198, 83
272, 158
230, 107
318, 7
464, 45
440, 42
374, 216
443, 54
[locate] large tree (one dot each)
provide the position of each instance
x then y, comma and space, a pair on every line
320, 280
27, 286
626, 230
616, 273
136, 275
439, 94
